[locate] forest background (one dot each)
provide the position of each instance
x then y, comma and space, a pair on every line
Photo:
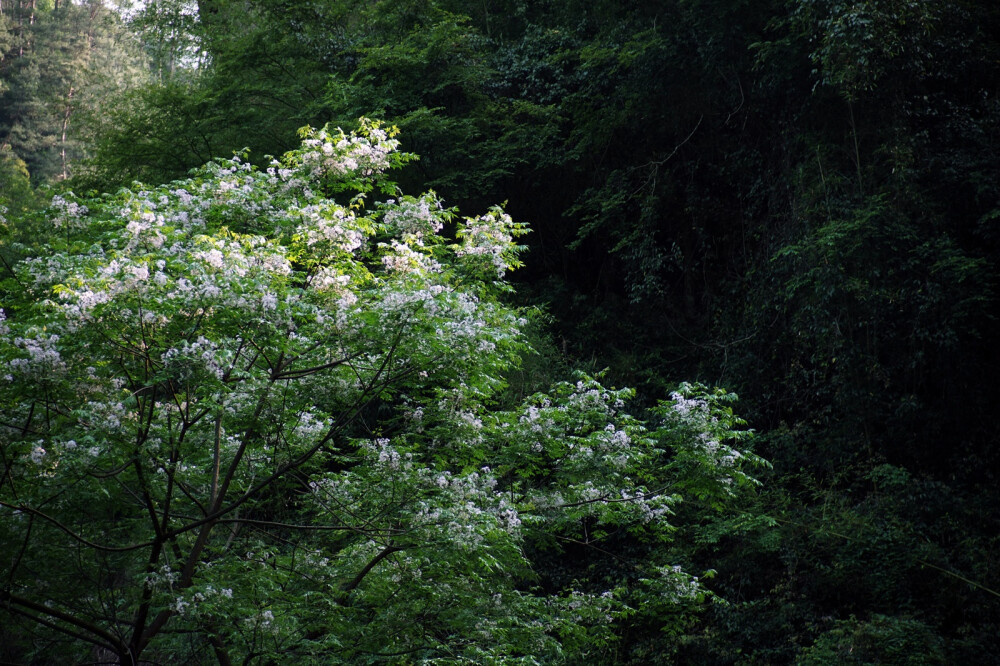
798, 200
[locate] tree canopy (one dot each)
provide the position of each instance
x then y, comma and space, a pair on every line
258, 413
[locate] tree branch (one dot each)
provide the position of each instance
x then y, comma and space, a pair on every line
384, 553
109, 641
74, 535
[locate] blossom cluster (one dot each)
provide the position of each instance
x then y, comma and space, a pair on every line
41, 359
65, 211
337, 153
705, 435
674, 584
578, 434
464, 507
416, 217
490, 237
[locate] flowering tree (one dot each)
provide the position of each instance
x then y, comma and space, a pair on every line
253, 416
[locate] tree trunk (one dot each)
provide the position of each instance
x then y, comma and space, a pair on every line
65, 126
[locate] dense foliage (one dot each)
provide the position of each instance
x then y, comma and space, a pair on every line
797, 199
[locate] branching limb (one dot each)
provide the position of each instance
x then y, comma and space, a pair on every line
74, 535
40, 612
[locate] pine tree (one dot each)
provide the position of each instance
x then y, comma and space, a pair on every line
60, 64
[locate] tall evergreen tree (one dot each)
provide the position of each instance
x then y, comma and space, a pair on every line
64, 63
